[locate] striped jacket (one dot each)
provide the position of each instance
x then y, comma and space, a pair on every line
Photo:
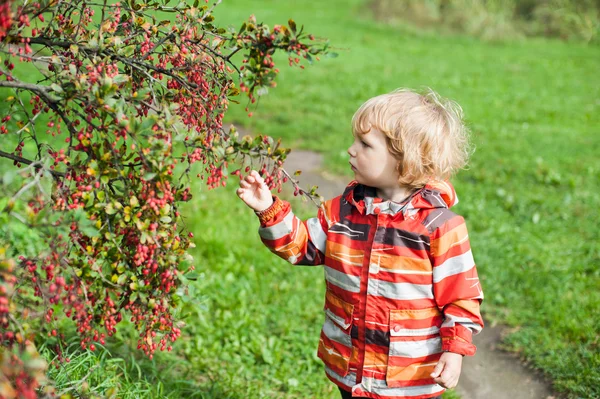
402, 286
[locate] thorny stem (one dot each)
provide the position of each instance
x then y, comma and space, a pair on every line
302, 191
28, 162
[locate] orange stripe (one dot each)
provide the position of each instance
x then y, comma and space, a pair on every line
413, 314
403, 263
331, 299
452, 237
374, 358
413, 372
335, 251
332, 357
469, 305
293, 248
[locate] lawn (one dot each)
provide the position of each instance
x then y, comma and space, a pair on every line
530, 197
532, 192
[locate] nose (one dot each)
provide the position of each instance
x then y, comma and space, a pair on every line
351, 151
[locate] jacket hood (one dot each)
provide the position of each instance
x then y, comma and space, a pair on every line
436, 194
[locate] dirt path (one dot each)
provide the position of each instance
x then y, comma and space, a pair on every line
492, 373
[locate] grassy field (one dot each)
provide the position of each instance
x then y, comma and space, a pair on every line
530, 198
532, 193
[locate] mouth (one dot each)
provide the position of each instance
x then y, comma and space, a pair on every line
352, 167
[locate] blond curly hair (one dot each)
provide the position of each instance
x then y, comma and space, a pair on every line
424, 131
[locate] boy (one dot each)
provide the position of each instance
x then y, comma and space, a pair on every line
403, 296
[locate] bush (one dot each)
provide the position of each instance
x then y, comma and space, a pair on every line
496, 19
128, 97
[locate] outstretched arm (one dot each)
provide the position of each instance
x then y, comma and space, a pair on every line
298, 242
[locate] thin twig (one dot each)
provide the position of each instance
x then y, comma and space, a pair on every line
300, 189
28, 162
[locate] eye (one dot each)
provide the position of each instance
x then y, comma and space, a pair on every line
364, 144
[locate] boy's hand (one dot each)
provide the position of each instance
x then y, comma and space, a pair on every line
254, 192
447, 371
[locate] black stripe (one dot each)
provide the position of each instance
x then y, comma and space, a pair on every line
373, 337
377, 337
437, 218
312, 256
401, 238
355, 227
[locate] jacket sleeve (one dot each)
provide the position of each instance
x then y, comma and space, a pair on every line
299, 242
456, 286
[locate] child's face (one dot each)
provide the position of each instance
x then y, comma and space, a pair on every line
371, 161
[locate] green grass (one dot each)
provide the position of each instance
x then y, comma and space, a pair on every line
531, 200
532, 193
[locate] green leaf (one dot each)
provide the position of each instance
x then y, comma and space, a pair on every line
57, 88
122, 279
192, 276
110, 209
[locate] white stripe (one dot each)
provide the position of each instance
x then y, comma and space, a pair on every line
380, 388
413, 349
414, 332
452, 266
451, 320
349, 379
400, 290
316, 233
342, 280
278, 230
334, 333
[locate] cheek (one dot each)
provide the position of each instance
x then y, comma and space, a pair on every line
391, 166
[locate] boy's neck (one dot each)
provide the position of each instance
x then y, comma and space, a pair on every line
395, 194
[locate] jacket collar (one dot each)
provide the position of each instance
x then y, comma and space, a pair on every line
435, 194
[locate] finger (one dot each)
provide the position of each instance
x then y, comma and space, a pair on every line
257, 177
244, 184
447, 375
240, 192
437, 370
250, 179
446, 379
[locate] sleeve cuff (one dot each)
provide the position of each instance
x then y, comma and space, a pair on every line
269, 213
458, 345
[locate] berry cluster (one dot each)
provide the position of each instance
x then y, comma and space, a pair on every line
133, 99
